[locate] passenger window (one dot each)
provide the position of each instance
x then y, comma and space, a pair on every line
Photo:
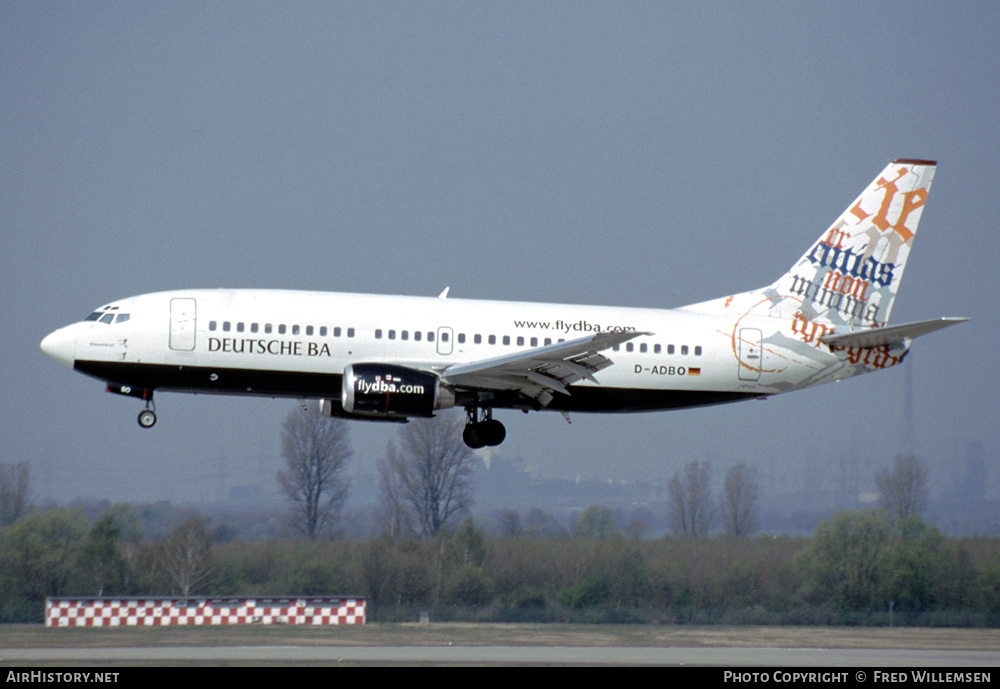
697, 350
520, 341
405, 335
670, 349
417, 335
478, 339
309, 330
506, 340
336, 331
392, 334
254, 327
322, 331
657, 349
212, 325
239, 327
629, 347
492, 339
226, 326
350, 332
295, 330
548, 341
444, 336
534, 342
430, 335
378, 333
267, 328
684, 350
461, 338
281, 329
643, 347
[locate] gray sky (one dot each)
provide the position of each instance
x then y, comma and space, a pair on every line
640, 154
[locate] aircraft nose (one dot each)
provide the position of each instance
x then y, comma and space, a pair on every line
61, 346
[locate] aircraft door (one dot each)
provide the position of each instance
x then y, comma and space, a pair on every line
444, 340
750, 353
182, 324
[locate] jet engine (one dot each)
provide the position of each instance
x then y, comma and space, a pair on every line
393, 392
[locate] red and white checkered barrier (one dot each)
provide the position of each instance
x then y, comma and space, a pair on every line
167, 611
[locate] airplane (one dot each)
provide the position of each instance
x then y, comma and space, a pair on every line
393, 358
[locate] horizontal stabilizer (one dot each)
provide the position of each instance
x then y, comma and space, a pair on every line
875, 337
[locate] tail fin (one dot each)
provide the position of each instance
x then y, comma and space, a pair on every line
851, 275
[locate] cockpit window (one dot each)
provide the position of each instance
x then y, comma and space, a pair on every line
107, 317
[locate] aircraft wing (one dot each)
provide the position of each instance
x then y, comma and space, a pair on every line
539, 372
890, 335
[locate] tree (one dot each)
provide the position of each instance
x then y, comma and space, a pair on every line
690, 495
915, 565
102, 567
846, 560
432, 470
902, 490
595, 522
739, 500
316, 449
394, 513
41, 552
15, 488
186, 554
540, 523
509, 524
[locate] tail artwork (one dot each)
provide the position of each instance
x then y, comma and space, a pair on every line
850, 276
837, 298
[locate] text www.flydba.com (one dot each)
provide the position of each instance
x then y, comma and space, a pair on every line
572, 326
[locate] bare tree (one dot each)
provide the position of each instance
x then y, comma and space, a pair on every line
432, 469
739, 500
316, 449
185, 554
15, 489
690, 495
903, 488
394, 512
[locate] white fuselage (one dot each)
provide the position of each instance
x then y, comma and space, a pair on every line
297, 344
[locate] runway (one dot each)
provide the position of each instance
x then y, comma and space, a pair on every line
503, 655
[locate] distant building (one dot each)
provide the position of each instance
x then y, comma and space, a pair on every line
163, 611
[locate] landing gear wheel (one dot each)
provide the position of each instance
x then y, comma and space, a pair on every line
481, 429
147, 418
492, 432
471, 436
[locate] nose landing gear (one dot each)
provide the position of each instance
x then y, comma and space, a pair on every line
147, 417
481, 429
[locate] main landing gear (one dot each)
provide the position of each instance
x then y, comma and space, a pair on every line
481, 429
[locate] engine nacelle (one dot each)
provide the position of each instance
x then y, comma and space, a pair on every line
393, 392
